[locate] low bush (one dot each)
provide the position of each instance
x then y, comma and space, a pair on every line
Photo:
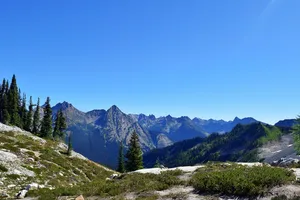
134, 182
13, 176
240, 180
3, 168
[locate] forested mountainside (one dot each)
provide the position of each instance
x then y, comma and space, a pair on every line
240, 144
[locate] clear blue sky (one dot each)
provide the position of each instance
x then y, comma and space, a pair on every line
205, 58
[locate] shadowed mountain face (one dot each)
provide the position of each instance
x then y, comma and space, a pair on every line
97, 133
240, 144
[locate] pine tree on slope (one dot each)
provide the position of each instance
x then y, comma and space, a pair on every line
134, 154
23, 112
6, 115
13, 100
2, 90
60, 125
28, 123
46, 129
121, 164
70, 147
36, 119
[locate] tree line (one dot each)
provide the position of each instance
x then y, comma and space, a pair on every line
14, 111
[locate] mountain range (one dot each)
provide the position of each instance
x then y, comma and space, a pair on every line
98, 133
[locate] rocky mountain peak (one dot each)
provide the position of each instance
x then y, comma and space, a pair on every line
169, 117
236, 119
152, 117
114, 109
64, 106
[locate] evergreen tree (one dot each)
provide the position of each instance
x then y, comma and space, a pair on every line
46, 129
13, 100
157, 164
2, 92
36, 119
28, 123
20, 101
70, 147
23, 112
60, 125
121, 164
134, 154
6, 115
296, 134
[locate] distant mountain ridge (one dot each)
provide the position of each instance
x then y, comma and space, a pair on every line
221, 126
97, 133
286, 123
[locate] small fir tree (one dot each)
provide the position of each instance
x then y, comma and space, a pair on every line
23, 112
46, 129
13, 100
70, 147
2, 92
121, 164
6, 115
296, 134
157, 163
60, 125
28, 123
134, 154
36, 119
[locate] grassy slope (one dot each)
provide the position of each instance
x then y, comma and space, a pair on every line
52, 167
67, 176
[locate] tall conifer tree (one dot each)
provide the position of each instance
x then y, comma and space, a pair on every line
2, 92
121, 164
134, 154
36, 119
6, 115
60, 125
46, 129
13, 100
23, 112
28, 123
70, 146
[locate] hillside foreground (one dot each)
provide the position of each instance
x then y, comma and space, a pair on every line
35, 168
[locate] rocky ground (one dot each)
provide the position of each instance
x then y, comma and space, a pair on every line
28, 162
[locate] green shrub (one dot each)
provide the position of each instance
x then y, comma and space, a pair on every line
13, 176
11, 148
30, 153
3, 168
240, 180
134, 182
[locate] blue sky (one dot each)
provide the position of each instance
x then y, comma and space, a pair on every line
205, 58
